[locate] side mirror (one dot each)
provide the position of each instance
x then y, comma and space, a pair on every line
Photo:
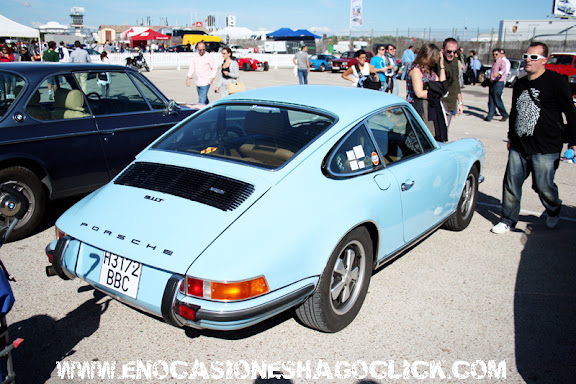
173, 108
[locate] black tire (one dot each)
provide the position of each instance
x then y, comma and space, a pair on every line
335, 70
347, 275
467, 204
28, 183
266, 66
245, 67
147, 67
322, 67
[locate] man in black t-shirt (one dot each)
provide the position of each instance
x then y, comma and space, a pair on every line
535, 137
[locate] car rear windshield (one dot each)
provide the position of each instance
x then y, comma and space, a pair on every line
11, 86
262, 135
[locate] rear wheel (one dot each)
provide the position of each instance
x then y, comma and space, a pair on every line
245, 67
343, 285
266, 66
28, 183
467, 204
322, 67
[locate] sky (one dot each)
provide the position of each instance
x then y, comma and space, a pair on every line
320, 16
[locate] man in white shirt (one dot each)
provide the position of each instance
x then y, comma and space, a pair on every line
506, 61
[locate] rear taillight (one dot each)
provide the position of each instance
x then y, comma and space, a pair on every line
224, 291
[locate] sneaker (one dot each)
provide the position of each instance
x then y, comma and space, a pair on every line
500, 228
552, 221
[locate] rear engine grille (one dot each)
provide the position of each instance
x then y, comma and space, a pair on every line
206, 188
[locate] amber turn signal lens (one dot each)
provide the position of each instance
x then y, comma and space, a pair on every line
239, 290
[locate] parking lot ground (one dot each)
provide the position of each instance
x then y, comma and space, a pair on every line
454, 299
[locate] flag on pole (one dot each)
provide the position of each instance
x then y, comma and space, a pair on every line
356, 13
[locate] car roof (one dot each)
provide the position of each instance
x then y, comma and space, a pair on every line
348, 103
34, 68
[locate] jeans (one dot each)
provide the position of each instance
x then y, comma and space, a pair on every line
495, 100
203, 94
407, 66
543, 168
303, 76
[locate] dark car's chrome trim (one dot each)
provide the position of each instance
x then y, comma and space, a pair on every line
249, 313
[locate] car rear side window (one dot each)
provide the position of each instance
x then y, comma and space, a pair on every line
11, 86
261, 135
356, 154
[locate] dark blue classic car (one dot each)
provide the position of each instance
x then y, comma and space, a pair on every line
68, 129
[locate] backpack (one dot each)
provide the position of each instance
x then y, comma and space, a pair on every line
372, 81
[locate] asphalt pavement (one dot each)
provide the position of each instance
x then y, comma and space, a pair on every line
442, 312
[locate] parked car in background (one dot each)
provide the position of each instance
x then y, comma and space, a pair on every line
346, 61
248, 64
562, 62
68, 129
517, 71
271, 199
178, 48
320, 61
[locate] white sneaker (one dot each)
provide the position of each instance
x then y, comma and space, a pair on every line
500, 228
552, 222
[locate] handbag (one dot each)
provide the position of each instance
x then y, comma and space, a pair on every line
371, 81
235, 87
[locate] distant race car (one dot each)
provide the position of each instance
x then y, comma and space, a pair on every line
248, 64
269, 199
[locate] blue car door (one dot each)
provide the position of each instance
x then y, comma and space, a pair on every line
424, 174
129, 115
365, 179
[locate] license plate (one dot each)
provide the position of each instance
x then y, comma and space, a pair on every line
120, 274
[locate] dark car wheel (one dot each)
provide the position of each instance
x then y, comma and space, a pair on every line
266, 66
322, 67
245, 67
147, 67
343, 285
335, 70
467, 204
28, 183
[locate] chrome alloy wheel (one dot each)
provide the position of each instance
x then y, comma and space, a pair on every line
347, 277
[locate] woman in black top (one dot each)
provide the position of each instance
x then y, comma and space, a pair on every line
25, 55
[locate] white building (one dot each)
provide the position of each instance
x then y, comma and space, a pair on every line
523, 30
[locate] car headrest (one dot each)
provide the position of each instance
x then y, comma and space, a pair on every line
75, 100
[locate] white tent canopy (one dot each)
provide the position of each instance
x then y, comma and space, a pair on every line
9, 28
234, 33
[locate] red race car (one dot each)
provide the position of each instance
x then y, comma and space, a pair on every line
247, 64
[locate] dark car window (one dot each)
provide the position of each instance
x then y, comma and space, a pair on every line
11, 86
112, 93
394, 135
57, 98
561, 59
356, 154
154, 100
261, 135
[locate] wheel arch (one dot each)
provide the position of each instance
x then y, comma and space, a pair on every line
372, 229
33, 166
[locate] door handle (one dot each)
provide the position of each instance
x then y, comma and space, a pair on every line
407, 185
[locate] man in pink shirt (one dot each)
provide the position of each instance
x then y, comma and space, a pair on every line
497, 82
204, 66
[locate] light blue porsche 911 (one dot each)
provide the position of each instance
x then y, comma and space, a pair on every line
266, 200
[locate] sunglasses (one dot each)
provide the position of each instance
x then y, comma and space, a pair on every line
451, 52
532, 57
